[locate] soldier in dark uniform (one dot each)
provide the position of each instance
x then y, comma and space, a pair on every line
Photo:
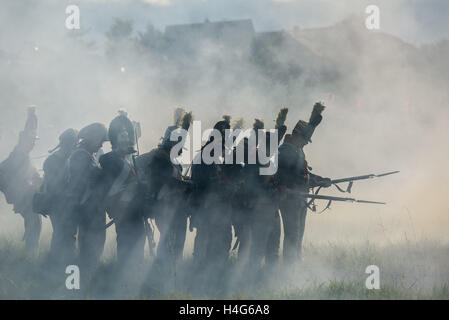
240, 202
124, 199
213, 223
167, 193
274, 238
19, 181
85, 191
243, 201
255, 217
169, 190
293, 173
263, 222
212, 217
54, 186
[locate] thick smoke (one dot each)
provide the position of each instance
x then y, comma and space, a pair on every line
386, 96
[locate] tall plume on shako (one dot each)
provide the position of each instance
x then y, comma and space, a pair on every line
258, 124
186, 120
314, 121
227, 119
178, 114
238, 124
316, 117
225, 124
280, 123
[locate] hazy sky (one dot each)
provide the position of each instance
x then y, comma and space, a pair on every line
413, 20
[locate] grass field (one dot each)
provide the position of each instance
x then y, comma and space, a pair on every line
407, 271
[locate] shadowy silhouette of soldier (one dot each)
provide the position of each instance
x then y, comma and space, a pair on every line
19, 181
85, 191
54, 189
212, 217
167, 193
244, 199
261, 224
169, 189
213, 223
236, 173
293, 173
124, 198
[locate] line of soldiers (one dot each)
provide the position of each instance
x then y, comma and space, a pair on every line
81, 186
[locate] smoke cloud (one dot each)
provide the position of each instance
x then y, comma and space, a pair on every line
386, 92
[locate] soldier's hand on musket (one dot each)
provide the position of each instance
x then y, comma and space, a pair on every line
325, 182
317, 181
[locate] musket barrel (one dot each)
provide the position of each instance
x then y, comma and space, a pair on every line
364, 177
323, 197
367, 176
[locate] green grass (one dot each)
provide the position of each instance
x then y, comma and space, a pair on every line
356, 290
407, 271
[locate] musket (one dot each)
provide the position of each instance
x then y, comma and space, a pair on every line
367, 176
335, 182
331, 198
351, 180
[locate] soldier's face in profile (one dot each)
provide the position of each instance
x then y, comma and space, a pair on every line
98, 146
94, 146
